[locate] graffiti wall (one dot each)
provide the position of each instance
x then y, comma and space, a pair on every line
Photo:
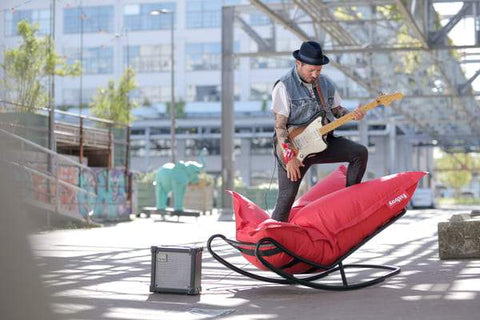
110, 204
68, 197
112, 200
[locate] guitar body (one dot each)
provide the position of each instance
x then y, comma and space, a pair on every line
308, 140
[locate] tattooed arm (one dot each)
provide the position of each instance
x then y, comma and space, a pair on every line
281, 129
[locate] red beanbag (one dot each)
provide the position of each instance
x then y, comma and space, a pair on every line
336, 180
324, 229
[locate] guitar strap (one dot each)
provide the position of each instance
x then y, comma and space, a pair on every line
319, 96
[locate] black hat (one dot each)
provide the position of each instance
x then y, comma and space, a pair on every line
311, 53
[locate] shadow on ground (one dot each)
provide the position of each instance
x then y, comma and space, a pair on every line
112, 282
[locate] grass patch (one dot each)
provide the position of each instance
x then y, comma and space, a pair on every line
460, 200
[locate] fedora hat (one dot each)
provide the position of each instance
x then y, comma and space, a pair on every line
311, 53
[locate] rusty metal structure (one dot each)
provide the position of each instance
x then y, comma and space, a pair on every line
392, 45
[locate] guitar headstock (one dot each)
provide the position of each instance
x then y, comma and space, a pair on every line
386, 99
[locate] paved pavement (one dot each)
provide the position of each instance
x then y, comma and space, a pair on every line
104, 273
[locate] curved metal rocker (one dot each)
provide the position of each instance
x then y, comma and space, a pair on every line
267, 247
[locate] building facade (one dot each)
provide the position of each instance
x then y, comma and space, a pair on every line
109, 35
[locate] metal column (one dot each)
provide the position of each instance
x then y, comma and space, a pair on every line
392, 146
245, 160
227, 128
147, 149
363, 132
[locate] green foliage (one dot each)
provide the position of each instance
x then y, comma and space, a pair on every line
343, 14
411, 60
112, 102
206, 178
237, 183
179, 108
65, 107
28, 66
390, 12
146, 102
203, 177
459, 200
460, 176
264, 105
148, 177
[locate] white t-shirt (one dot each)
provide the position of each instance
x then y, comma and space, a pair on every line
281, 102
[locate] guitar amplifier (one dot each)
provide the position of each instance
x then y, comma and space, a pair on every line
176, 269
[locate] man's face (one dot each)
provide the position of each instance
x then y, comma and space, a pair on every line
309, 73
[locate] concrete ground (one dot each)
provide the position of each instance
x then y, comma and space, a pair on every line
104, 273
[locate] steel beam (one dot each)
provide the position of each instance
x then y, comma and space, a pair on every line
411, 22
228, 127
263, 45
463, 87
291, 25
442, 33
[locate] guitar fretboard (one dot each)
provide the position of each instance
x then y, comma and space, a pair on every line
347, 118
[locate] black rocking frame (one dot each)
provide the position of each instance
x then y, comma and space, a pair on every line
268, 247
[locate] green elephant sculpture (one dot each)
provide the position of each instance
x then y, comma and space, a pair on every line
174, 177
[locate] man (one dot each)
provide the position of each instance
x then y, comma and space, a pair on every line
299, 97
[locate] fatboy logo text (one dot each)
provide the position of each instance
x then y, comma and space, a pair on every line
398, 199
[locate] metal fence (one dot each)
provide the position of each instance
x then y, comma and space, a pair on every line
49, 181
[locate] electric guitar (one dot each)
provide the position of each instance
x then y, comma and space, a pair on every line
311, 139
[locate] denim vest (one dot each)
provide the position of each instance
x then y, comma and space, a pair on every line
303, 107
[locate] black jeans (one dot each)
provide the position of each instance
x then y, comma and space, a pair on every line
339, 150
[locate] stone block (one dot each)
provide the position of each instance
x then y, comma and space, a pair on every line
459, 238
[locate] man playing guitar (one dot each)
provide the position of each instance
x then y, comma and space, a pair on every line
299, 97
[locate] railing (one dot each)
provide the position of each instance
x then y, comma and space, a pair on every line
82, 130
91, 132
49, 180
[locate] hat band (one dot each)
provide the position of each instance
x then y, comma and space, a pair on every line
312, 61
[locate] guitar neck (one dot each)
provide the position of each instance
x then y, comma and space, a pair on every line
346, 118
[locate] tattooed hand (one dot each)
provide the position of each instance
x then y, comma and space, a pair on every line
339, 111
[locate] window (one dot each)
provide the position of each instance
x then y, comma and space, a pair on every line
260, 91
146, 96
97, 60
203, 56
95, 19
204, 93
41, 17
138, 132
193, 147
71, 97
206, 13
160, 147
206, 56
137, 16
261, 146
208, 93
271, 63
149, 58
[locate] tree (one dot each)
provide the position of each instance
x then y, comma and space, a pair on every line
454, 170
113, 102
264, 105
179, 108
27, 68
